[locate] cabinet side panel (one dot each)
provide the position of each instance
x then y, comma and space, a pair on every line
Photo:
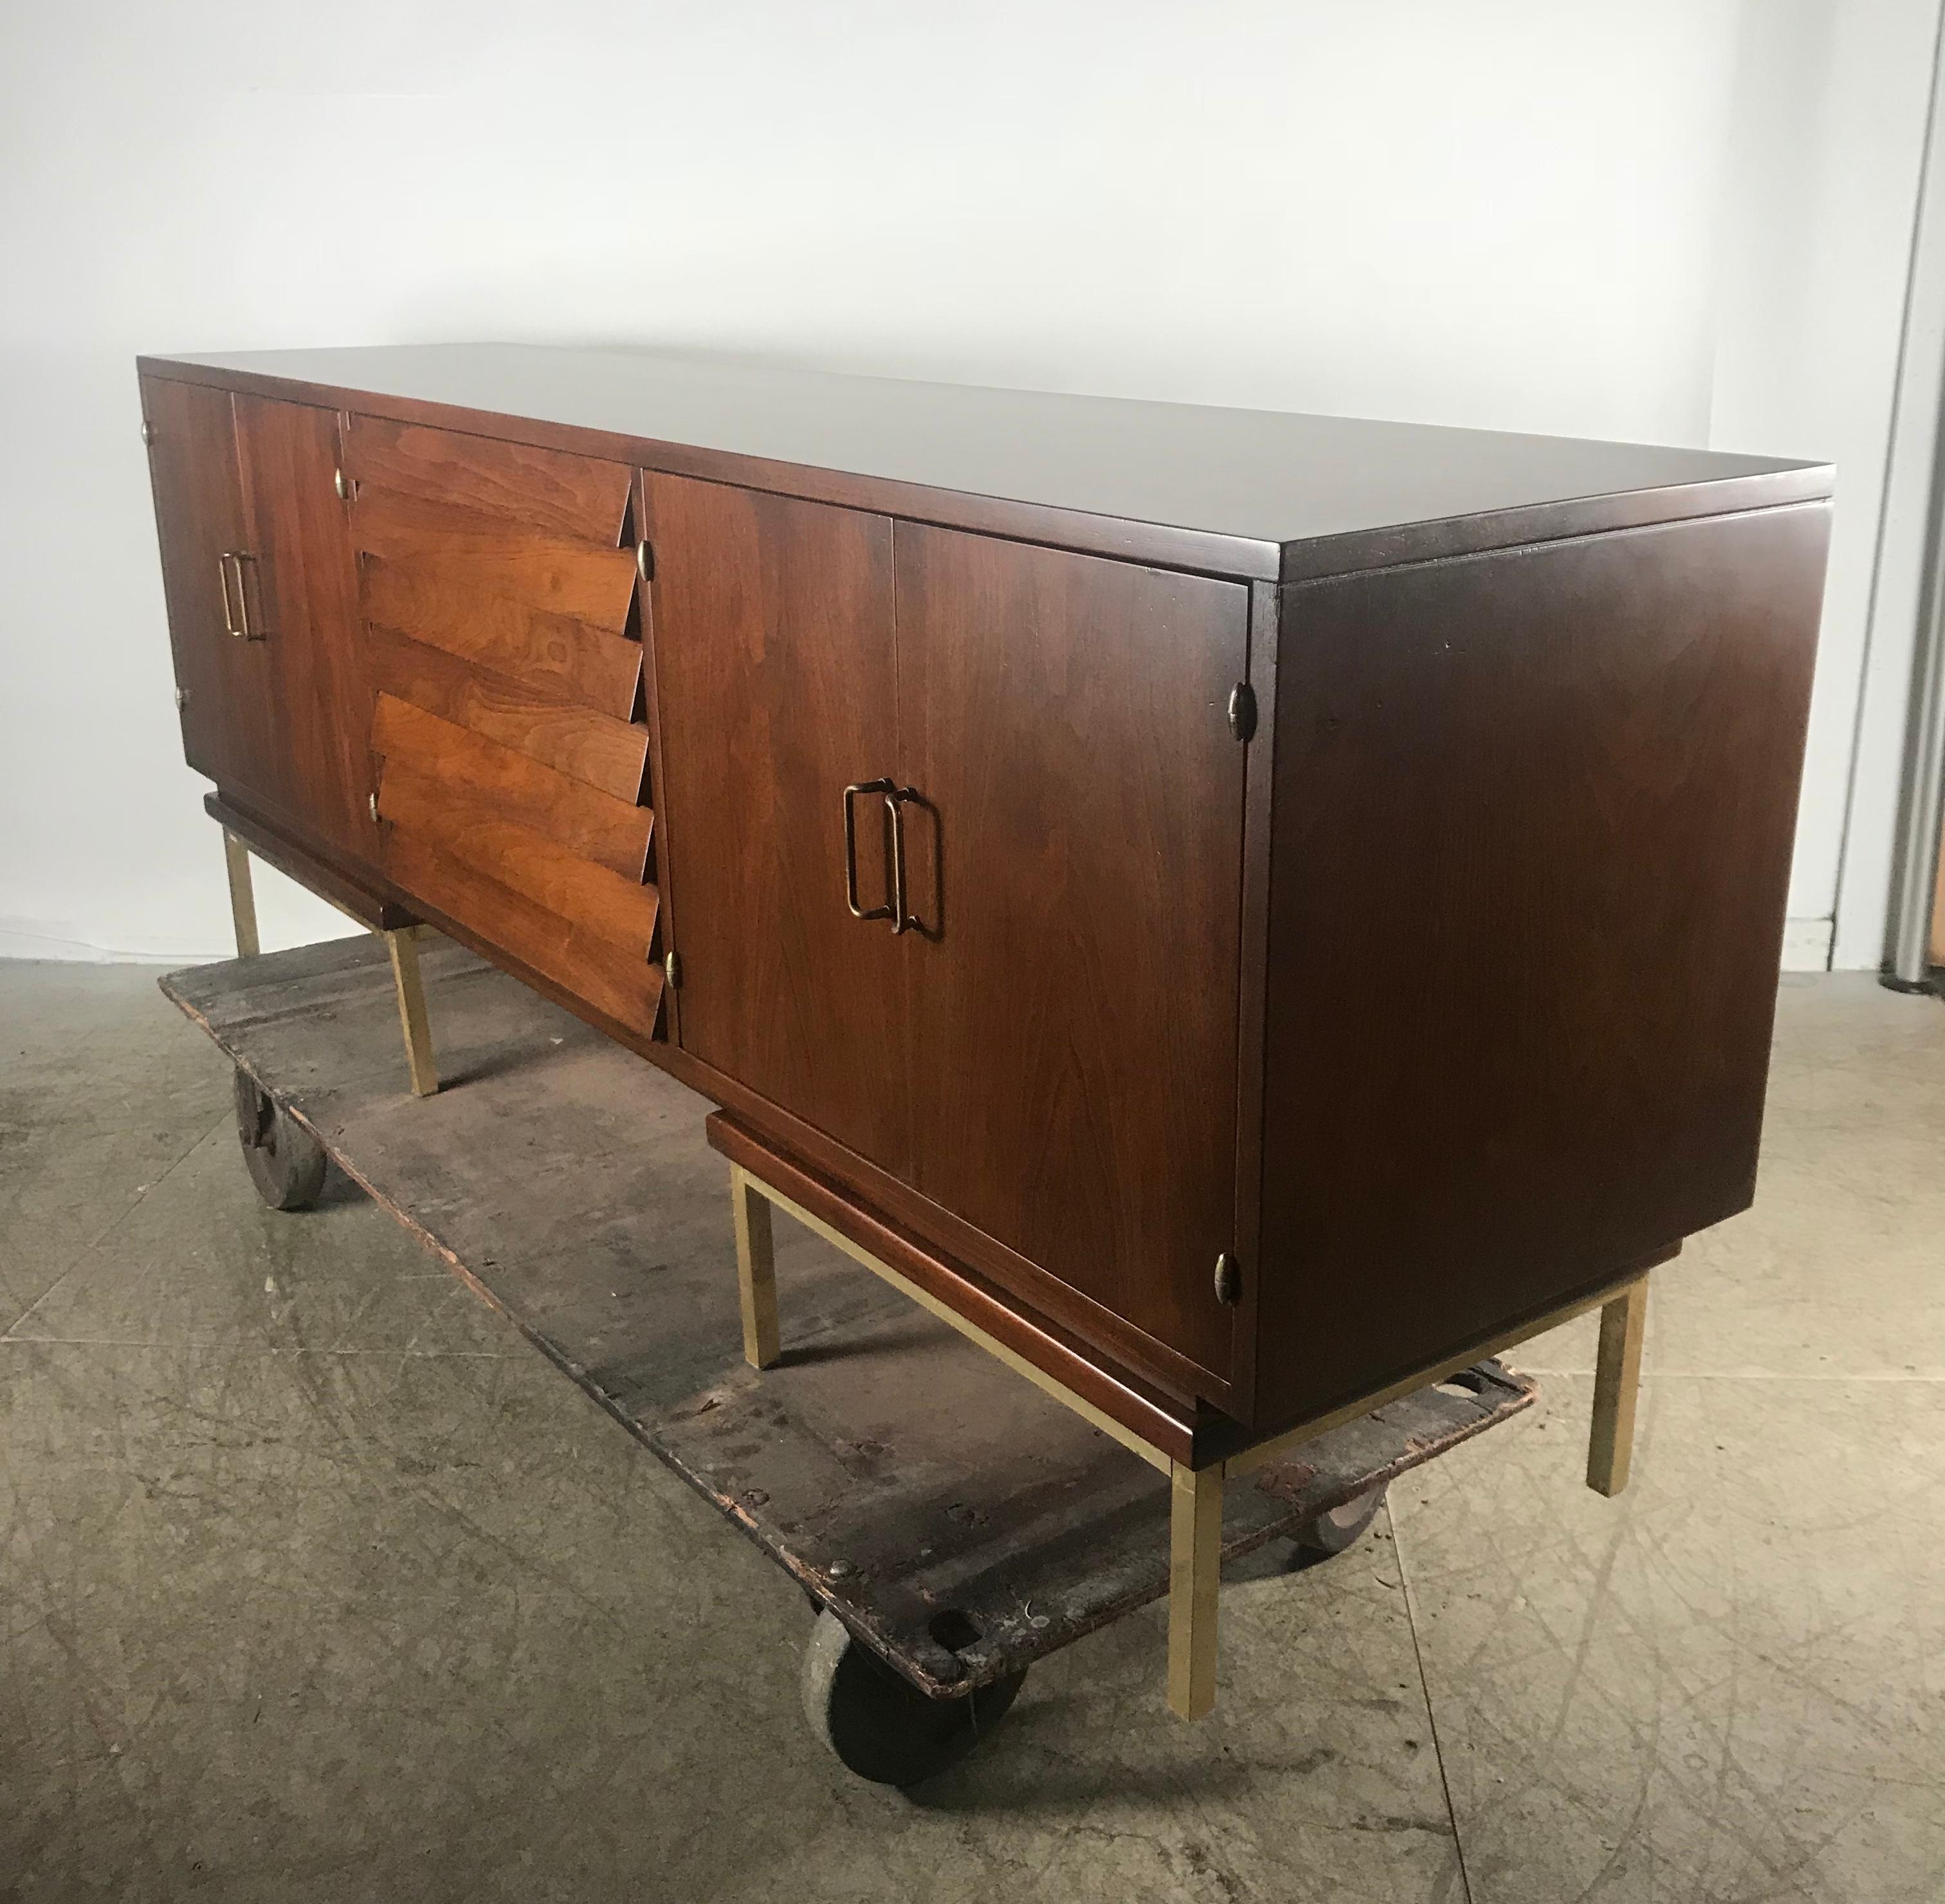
1534, 817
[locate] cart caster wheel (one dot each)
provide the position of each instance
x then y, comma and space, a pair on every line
286, 1163
1332, 1533
882, 1727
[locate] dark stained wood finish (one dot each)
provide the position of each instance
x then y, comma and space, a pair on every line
1042, 1295
453, 549
575, 497
1073, 995
773, 638
554, 654
1253, 494
500, 781
1533, 818
281, 843
315, 649
1442, 1001
1164, 1423
231, 726
1253, 978
606, 753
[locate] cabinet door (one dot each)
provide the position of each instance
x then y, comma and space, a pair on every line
1077, 867
222, 678
777, 687
306, 608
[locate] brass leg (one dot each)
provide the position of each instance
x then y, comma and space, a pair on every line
242, 895
1611, 1442
1195, 1556
404, 947
755, 1269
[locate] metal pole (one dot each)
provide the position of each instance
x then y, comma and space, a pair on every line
1921, 810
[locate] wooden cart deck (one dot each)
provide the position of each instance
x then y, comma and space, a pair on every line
959, 1522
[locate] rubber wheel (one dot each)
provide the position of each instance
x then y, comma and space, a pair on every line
286, 1163
1342, 1526
881, 1725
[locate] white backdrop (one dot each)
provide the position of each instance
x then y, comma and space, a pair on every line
1682, 220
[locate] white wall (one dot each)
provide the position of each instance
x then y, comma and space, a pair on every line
1826, 142
1912, 469
1509, 213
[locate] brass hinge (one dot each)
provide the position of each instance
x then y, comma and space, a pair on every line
342, 484
182, 697
1243, 711
1229, 1280
672, 969
148, 431
645, 561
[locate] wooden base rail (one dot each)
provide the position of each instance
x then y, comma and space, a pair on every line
1195, 1545
401, 942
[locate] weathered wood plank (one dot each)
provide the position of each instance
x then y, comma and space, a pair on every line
891, 1467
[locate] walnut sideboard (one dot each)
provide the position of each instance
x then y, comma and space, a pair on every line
1251, 905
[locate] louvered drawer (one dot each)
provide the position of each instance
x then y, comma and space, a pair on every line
510, 755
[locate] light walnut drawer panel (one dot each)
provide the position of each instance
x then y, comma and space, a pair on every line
459, 550
582, 963
620, 912
546, 491
611, 755
554, 654
510, 785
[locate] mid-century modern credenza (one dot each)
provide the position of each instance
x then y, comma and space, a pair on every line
1244, 906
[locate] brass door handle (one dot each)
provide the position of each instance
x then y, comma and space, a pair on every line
248, 632
223, 563
231, 561
888, 788
901, 918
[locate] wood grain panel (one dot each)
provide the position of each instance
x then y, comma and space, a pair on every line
566, 952
315, 648
605, 753
473, 553
1074, 995
548, 493
773, 652
512, 785
231, 729
552, 653
619, 910
1534, 811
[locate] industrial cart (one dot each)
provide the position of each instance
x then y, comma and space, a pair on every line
951, 1522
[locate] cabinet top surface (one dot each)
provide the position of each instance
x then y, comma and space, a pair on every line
1265, 476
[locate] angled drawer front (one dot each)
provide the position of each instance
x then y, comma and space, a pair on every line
498, 588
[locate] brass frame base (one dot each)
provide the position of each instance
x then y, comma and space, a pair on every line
401, 942
1195, 1539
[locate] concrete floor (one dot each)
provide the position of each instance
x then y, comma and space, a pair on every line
317, 1583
